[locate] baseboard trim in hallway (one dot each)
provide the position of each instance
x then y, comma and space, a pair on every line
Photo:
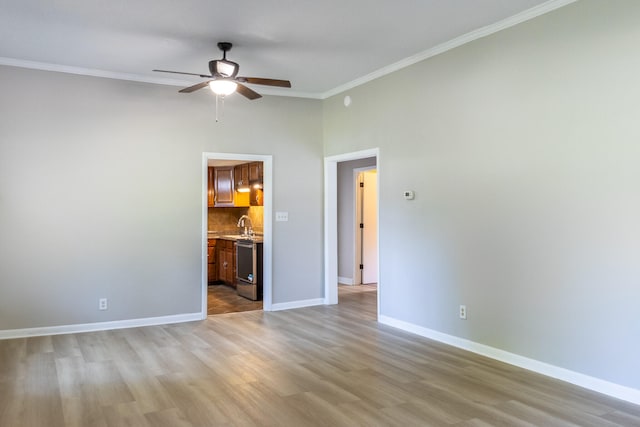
297, 304
595, 384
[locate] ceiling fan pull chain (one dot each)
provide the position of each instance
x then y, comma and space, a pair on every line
221, 106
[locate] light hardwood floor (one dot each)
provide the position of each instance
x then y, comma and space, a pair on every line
318, 366
225, 299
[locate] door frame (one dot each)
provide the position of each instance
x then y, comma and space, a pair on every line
267, 257
331, 221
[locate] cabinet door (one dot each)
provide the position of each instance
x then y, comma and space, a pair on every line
223, 186
255, 178
212, 274
226, 264
232, 261
229, 274
256, 197
212, 262
241, 174
210, 189
255, 171
222, 265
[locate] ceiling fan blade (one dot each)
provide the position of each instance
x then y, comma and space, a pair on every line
266, 82
194, 87
180, 72
246, 92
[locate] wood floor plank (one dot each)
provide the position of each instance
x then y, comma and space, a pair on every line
41, 399
225, 299
367, 415
145, 389
124, 414
172, 417
12, 356
80, 404
316, 366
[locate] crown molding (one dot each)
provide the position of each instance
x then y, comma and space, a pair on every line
534, 12
92, 72
527, 15
44, 66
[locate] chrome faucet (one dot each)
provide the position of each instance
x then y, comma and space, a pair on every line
242, 222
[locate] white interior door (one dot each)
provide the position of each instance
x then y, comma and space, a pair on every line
370, 229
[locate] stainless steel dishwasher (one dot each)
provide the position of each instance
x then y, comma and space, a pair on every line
249, 269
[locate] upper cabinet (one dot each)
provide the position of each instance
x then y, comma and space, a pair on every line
256, 182
223, 186
255, 172
241, 173
210, 188
235, 186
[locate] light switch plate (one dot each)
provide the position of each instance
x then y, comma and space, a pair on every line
282, 216
408, 194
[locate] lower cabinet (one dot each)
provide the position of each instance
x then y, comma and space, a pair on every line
226, 262
212, 271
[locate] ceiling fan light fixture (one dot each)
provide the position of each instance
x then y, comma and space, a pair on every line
223, 87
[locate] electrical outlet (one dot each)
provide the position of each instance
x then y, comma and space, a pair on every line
282, 216
463, 312
102, 304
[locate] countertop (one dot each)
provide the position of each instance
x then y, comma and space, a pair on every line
257, 238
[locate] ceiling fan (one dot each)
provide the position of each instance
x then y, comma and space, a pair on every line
224, 79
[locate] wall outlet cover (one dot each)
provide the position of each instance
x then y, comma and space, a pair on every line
282, 216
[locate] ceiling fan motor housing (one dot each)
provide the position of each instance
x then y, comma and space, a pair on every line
223, 68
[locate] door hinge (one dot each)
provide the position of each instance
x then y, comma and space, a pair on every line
361, 225
361, 266
362, 185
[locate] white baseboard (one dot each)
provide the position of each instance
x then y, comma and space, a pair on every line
297, 304
596, 384
99, 326
345, 280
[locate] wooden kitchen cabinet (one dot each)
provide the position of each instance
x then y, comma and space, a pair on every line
210, 188
226, 262
256, 179
212, 262
256, 197
241, 175
223, 183
255, 171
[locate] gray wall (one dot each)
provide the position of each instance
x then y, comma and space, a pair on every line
523, 149
346, 200
100, 195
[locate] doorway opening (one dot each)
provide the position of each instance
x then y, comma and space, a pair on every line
337, 245
236, 233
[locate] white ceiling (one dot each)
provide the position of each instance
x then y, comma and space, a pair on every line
323, 47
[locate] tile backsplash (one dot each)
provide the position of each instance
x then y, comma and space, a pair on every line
226, 219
